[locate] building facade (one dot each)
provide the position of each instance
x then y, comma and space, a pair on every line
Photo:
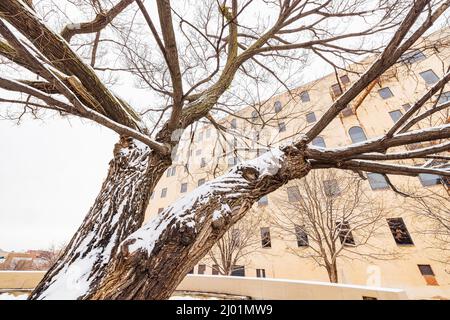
420, 265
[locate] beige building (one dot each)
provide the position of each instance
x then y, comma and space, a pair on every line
204, 153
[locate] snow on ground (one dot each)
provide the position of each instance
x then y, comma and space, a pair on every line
8, 296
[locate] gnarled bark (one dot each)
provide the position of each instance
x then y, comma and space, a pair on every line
153, 260
118, 211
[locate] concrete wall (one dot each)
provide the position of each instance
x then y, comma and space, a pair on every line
256, 288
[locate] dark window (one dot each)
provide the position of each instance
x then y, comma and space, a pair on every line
318, 142
385, 93
201, 269
238, 271
171, 171
160, 210
428, 274
427, 179
444, 97
331, 188
336, 88
395, 115
293, 194
377, 181
202, 163
302, 236
281, 127
235, 237
347, 112
406, 106
264, 201
429, 76
200, 182
345, 233
186, 167
191, 271
215, 269
163, 192
233, 124
412, 56
345, 79
304, 96
311, 117
265, 238
357, 134
255, 115
399, 231
260, 273
183, 188
277, 106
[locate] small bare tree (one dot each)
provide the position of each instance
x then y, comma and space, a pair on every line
332, 217
236, 244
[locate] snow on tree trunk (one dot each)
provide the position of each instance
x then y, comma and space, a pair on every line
152, 261
118, 211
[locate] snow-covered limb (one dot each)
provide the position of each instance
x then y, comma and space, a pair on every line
169, 245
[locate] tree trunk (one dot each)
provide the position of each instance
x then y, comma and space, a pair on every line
118, 211
332, 273
153, 260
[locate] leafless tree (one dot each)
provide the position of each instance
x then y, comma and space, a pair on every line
194, 56
333, 219
236, 244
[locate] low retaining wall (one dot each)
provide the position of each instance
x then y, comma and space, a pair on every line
256, 288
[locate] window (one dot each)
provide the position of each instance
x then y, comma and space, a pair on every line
171, 171
444, 97
347, 112
293, 194
406, 106
264, 201
238, 271
336, 89
377, 181
318, 142
357, 134
345, 233
202, 163
429, 76
395, 115
183, 188
428, 274
281, 127
152, 195
200, 182
215, 269
198, 152
265, 238
412, 56
385, 93
399, 231
277, 106
344, 79
232, 162
255, 115
331, 188
311, 117
427, 179
201, 269
304, 96
235, 237
199, 136
302, 236
186, 167
163, 192
160, 210
233, 124
191, 271
260, 273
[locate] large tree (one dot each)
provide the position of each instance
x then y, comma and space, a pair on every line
194, 55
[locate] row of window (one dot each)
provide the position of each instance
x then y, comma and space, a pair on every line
396, 225
239, 271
